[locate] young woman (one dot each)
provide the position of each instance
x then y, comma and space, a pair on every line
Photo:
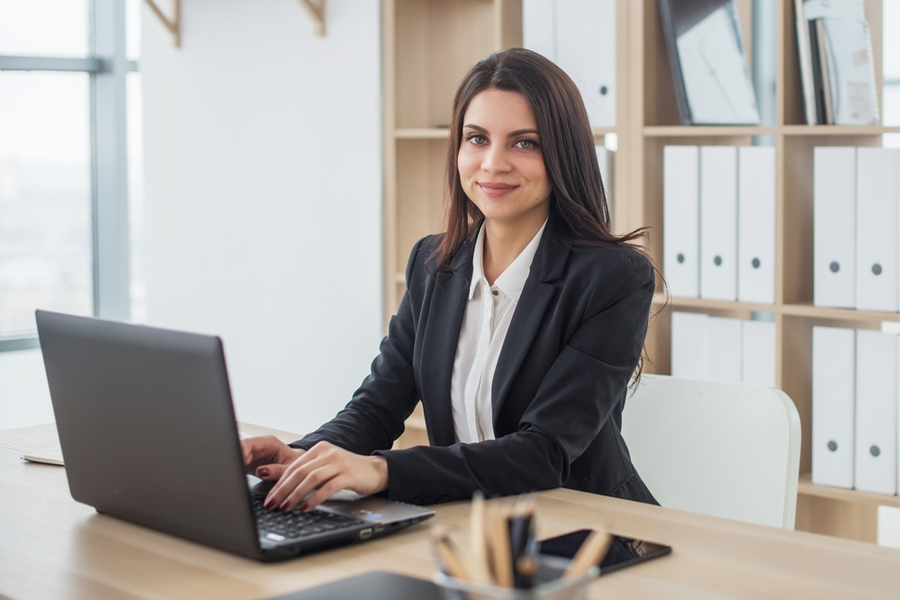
520, 328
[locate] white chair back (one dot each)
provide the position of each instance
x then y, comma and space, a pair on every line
723, 449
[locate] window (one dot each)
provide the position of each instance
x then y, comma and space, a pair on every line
68, 80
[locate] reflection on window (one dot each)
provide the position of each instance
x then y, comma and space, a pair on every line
45, 197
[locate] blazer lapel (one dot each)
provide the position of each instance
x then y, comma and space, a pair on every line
540, 287
447, 307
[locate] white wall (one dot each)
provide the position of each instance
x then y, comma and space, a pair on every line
263, 196
24, 395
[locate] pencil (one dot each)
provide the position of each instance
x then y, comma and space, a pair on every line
589, 554
478, 541
453, 565
502, 558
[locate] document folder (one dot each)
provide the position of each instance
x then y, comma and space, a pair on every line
681, 220
718, 222
756, 224
834, 227
725, 358
876, 229
758, 352
833, 406
690, 345
876, 412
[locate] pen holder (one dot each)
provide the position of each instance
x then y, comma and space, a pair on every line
550, 585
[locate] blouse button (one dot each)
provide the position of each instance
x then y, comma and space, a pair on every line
495, 292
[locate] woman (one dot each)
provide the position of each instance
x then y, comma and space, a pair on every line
520, 328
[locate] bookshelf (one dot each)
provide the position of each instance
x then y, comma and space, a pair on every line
427, 47
653, 125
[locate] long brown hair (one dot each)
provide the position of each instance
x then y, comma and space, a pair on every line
578, 201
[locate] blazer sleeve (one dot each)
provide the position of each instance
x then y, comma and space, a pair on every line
374, 417
584, 384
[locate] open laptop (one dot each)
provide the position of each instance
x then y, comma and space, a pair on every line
148, 435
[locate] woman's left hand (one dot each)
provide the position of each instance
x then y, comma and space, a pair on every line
324, 469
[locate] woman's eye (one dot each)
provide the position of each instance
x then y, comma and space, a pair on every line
476, 138
526, 144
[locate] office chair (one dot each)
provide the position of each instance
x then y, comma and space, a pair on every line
723, 449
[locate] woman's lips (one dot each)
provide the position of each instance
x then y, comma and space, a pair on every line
495, 190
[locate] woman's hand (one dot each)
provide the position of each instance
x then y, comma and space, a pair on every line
264, 452
324, 470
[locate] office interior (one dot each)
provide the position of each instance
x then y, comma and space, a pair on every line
255, 189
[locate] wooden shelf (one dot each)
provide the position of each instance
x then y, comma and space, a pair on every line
676, 131
837, 130
807, 488
708, 131
794, 310
423, 133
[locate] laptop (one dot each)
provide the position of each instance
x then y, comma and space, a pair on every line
148, 435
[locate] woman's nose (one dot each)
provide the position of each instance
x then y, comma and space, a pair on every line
495, 160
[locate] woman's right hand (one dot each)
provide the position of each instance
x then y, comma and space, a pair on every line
260, 452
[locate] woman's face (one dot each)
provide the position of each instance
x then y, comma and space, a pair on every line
500, 163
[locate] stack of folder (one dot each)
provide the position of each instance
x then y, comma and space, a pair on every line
719, 222
855, 409
723, 349
856, 222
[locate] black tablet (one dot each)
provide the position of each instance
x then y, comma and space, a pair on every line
623, 552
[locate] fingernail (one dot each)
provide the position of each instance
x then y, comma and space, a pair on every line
262, 472
269, 504
304, 507
284, 505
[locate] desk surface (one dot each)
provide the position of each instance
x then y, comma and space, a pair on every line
53, 547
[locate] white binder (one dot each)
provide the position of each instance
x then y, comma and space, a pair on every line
758, 352
876, 412
681, 220
725, 360
538, 26
833, 406
586, 50
877, 253
690, 345
718, 222
756, 224
834, 227
604, 160
580, 37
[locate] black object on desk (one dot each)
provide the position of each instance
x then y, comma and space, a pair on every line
375, 585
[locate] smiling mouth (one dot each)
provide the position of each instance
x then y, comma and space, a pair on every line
495, 190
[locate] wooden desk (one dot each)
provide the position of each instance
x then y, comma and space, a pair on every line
53, 547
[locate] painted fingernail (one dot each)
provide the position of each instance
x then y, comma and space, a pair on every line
262, 472
284, 505
269, 504
304, 507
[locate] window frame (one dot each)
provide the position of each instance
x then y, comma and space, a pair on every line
108, 67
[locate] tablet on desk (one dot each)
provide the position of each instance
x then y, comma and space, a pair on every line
623, 552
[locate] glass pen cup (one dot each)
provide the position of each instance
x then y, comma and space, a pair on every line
550, 585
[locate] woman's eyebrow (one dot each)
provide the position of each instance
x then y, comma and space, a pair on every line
511, 133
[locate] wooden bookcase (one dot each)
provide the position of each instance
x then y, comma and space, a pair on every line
428, 45
654, 124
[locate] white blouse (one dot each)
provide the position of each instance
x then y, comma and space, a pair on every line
488, 313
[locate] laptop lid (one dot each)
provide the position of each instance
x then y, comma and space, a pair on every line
147, 428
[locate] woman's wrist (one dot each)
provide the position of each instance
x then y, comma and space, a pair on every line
379, 464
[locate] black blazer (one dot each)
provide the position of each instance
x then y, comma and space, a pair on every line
558, 391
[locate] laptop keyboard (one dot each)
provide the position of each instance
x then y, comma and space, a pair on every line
297, 524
